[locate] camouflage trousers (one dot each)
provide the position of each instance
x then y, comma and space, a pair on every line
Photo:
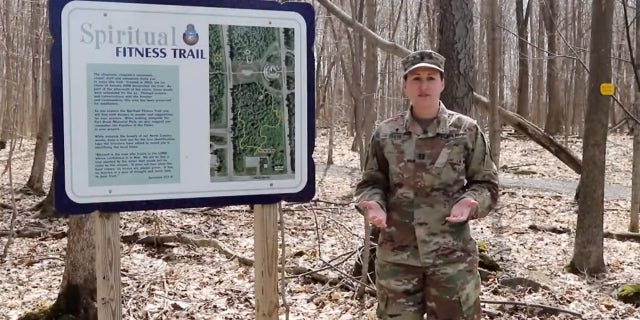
444, 292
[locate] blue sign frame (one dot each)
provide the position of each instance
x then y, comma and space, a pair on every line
64, 203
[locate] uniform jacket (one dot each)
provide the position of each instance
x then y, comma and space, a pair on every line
417, 176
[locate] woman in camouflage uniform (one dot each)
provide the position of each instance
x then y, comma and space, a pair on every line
428, 172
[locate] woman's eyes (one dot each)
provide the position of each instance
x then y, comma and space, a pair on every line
429, 78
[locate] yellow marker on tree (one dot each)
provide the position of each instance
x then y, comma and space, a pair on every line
607, 89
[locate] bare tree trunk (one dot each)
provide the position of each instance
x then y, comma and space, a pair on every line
493, 44
580, 90
46, 208
635, 176
457, 45
356, 44
522, 17
539, 94
321, 61
77, 295
553, 124
482, 79
635, 171
417, 27
36, 178
369, 106
35, 182
8, 127
588, 248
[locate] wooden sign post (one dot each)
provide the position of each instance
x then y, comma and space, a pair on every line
107, 240
266, 264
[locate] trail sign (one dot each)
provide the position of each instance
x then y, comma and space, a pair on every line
167, 104
607, 89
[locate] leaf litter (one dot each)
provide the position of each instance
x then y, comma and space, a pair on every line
182, 281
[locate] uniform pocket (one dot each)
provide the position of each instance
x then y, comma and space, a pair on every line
469, 297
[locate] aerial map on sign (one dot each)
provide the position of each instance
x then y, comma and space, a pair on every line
251, 111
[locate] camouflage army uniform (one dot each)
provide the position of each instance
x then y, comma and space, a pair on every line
417, 176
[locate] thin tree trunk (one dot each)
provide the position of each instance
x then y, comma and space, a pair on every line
356, 45
539, 94
36, 178
418, 26
321, 61
522, 17
493, 44
634, 215
588, 248
580, 89
553, 124
635, 171
46, 208
369, 106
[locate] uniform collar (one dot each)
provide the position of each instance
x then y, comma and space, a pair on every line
439, 126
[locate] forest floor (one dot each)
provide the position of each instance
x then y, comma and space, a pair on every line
186, 281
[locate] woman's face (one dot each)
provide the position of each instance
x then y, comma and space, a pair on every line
423, 87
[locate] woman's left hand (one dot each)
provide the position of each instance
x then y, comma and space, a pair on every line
462, 210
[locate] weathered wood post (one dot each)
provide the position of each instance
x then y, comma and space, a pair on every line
107, 240
266, 265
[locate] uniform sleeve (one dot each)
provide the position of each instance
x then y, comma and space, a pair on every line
374, 184
482, 177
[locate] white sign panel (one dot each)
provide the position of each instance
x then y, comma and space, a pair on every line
174, 102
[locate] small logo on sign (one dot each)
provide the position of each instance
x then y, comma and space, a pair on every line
190, 36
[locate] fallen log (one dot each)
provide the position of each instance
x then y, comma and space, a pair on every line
620, 236
5, 206
623, 236
25, 232
544, 308
552, 229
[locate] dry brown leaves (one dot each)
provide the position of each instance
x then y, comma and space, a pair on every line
188, 282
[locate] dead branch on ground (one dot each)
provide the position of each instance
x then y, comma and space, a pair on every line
623, 236
545, 308
5, 206
344, 282
620, 236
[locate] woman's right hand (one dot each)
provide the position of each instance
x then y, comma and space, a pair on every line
374, 213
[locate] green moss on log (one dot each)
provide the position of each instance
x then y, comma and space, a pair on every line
51, 313
483, 247
629, 293
66, 307
487, 263
571, 268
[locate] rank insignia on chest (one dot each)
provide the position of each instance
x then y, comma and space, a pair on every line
453, 135
395, 136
